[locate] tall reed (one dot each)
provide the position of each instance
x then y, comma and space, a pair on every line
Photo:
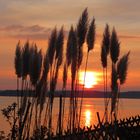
40, 74
104, 53
122, 70
18, 67
81, 31
35, 72
24, 106
71, 55
57, 64
119, 75
90, 44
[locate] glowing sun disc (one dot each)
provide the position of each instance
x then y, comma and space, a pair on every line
90, 79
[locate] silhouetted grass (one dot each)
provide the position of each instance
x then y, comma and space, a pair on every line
39, 74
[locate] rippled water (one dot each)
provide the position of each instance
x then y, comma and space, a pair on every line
127, 108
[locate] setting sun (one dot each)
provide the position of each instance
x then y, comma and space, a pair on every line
90, 79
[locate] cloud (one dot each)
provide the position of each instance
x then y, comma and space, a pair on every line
27, 32
24, 32
21, 28
39, 32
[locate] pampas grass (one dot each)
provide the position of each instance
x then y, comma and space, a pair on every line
25, 60
82, 28
119, 71
122, 68
35, 65
90, 39
18, 68
18, 60
114, 46
40, 73
81, 31
51, 46
70, 42
91, 35
54, 76
105, 47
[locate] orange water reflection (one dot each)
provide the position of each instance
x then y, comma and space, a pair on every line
87, 118
127, 108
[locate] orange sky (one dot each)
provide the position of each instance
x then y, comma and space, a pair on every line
34, 19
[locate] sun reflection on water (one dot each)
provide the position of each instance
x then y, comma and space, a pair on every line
87, 118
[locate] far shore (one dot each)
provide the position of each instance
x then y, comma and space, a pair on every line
87, 94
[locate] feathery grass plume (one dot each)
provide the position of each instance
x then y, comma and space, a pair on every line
105, 46
34, 74
74, 51
18, 68
82, 27
25, 72
57, 64
114, 46
104, 53
58, 58
74, 57
122, 68
35, 65
59, 44
25, 60
81, 30
104, 65
44, 79
69, 46
51, 47
18, 60
54, 82
106, 39
90, 42
103, 57
45, 67
91, 35
42, 84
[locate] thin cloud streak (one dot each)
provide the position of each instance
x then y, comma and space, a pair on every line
39, 32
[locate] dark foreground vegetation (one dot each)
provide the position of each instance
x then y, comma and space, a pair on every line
126, 129
37, 73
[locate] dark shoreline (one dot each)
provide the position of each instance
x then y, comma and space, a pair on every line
87, 94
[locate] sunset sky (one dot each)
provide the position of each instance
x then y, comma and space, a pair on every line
34, 20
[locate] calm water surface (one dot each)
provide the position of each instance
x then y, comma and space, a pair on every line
127, 108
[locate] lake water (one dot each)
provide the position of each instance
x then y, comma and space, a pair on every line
127, 108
